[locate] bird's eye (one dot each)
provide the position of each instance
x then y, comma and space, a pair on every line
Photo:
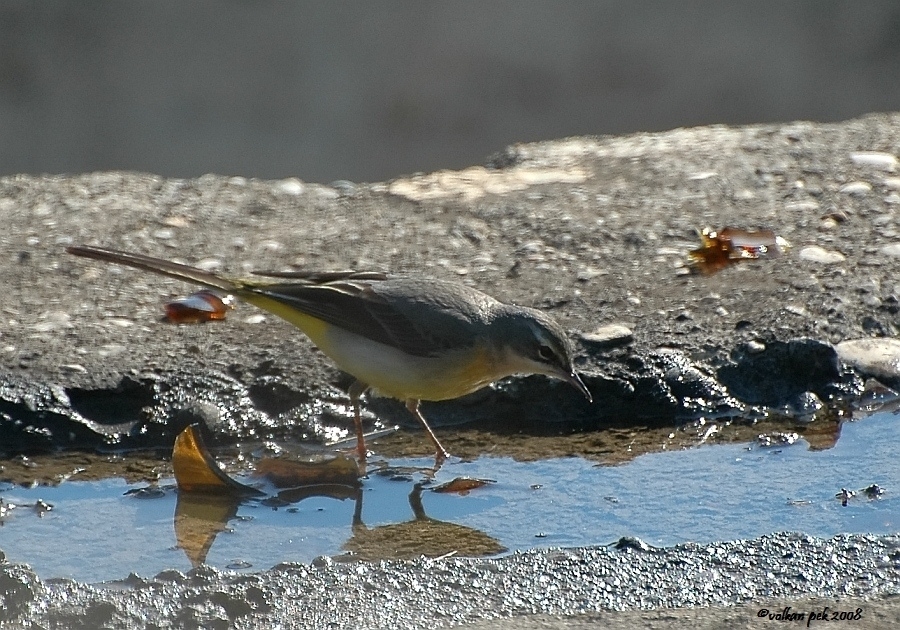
545, 353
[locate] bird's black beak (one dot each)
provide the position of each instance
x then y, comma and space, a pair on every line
575, 381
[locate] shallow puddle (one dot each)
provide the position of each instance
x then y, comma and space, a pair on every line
105, 529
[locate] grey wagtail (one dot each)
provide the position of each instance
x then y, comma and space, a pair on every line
409, 338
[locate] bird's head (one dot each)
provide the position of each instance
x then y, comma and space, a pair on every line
533, 343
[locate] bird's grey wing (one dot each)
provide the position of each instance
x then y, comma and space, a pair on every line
356, 306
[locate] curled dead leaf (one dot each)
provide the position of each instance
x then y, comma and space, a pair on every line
197, 471
462, 485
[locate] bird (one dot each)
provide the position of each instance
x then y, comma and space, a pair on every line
409, 338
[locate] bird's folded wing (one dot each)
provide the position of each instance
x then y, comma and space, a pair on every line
354, 306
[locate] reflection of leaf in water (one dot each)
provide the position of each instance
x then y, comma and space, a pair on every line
199, 518
422, 536
197, 471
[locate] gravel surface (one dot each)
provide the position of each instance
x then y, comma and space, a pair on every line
763, 574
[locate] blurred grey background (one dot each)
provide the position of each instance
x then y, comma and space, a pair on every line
367, 91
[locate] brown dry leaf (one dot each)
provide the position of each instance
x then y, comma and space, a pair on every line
730, 245
199, 307
283, 473
462, 485
197, 471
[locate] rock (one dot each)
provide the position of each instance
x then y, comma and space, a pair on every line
782, 372
878, 357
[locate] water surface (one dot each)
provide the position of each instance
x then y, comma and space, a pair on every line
99, 531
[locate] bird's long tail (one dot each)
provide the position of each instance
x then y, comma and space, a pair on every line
157, 265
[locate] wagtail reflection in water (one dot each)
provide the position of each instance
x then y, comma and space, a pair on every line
409, 338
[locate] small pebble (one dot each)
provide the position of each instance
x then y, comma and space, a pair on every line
291, 186
121, 322
876, 160
210, 264
891, 250
802, 206
796, 309
755, 347
176, 221
844, 496
344, 187
856, 189
272, 246
609, 335
111, 349
259, 318
814, 253
164, 234
589, 273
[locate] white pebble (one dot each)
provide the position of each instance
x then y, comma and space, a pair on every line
164, 234
803, 206
857, 189
755, 347
891, 182
121, 322
176, 221
589, 273
259, 318
210, 264
611, 333
891, 250
291, 186
875, 159
111, 350
814, 253
796, 309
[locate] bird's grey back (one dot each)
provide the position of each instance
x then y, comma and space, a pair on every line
445, 314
